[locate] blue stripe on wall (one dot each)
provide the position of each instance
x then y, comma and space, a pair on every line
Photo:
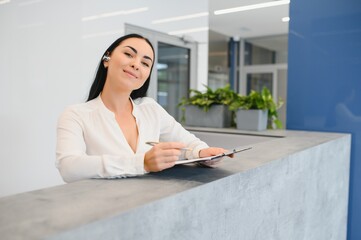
324, 81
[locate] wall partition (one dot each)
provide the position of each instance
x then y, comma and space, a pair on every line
324, 87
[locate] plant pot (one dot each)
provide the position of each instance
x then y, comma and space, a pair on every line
255, 120
218, 116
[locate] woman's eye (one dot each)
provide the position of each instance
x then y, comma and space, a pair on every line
145, 64
128, 54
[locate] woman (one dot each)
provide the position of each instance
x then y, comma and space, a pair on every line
106, 136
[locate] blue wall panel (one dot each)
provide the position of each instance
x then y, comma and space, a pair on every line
324, 82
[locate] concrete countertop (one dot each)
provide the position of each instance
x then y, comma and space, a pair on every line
48, 212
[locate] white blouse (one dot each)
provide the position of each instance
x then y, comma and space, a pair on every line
90, 143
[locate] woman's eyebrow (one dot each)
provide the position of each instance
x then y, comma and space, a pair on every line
135, 51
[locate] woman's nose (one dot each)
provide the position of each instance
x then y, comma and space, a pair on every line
135, 65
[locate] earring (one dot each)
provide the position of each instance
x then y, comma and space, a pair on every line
106, 58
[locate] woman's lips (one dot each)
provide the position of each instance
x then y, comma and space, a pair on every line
130, 74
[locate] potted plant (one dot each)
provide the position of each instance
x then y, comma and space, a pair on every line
209, 108
256, 111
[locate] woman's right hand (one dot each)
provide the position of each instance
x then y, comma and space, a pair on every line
162, 156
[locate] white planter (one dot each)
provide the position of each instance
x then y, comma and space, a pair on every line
218, 116
255, 120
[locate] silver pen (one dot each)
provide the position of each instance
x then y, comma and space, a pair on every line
155, 143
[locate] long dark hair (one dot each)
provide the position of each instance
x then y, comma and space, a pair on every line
101, 74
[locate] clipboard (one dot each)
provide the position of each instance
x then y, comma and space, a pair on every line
211, 158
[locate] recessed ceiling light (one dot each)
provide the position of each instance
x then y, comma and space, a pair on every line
251, 7
112, 14
196, 15
4, 1
285, 19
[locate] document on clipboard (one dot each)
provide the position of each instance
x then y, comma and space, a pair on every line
226, 154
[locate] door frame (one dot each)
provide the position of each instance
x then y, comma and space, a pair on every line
269, 68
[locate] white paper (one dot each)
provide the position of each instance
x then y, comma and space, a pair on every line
234, 151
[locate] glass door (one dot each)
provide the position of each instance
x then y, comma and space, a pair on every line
256, 82
173, 77
274, 77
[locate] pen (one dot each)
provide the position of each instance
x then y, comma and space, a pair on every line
155, 143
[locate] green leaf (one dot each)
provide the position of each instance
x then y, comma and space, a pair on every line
254, 100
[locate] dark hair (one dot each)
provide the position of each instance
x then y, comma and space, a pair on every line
101, 74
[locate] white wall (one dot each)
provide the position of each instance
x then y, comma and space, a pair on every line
48, 57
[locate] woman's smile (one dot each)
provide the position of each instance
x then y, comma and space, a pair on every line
130, 73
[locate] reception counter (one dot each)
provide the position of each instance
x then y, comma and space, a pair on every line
291, 185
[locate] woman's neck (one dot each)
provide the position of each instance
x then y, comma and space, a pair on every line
116, 102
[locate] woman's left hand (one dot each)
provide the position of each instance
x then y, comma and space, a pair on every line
212, 151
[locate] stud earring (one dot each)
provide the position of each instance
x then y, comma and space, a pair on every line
106, 58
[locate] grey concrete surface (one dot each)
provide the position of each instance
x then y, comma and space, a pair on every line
294, 187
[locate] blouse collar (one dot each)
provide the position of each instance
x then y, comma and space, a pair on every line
99, 102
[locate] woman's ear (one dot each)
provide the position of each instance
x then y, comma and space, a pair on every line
106, 59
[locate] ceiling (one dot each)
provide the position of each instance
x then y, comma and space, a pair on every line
248, 24
253, 25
